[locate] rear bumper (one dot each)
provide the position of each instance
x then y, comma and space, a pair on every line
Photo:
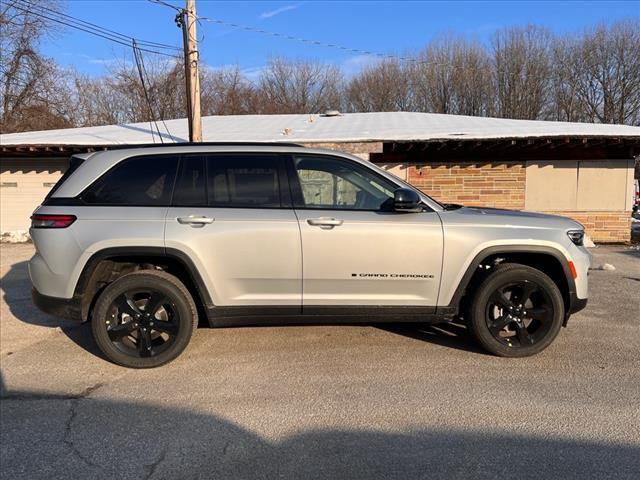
68, 308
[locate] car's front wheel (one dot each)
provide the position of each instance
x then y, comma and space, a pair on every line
144, 319
516, 312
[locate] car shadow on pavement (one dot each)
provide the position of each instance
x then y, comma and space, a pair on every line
90, 437
17, 296
632, 251
451, 334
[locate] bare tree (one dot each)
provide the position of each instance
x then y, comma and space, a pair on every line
432, 78
603, 71
228, 92
522, 70
472, 83
526, 73
383, 87
299, 87
120, 97
97, 102
33, 93
565, 105
452, 76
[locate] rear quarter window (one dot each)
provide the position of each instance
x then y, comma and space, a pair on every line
74, 163
138, 181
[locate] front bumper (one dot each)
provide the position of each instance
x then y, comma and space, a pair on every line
68, 308
577, 304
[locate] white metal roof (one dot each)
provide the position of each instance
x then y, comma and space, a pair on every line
351, 127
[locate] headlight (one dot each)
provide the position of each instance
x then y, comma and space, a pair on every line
576, 236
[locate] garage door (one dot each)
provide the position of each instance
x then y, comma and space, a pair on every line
23, 185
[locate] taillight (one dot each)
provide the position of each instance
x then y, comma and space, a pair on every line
52, 221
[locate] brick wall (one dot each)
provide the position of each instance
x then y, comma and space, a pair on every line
603, 227
356, 148
500, 184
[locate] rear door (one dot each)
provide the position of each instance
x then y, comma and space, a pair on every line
356, 249
232, 214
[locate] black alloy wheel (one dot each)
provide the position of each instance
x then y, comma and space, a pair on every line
519, 314
143, 323
516, 311
144, 319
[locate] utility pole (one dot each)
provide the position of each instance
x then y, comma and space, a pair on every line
191, 73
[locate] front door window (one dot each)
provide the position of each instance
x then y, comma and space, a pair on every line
333, 184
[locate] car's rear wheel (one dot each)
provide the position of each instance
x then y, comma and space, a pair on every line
144, 319
516, 312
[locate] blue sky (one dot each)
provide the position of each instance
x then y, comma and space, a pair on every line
384, 26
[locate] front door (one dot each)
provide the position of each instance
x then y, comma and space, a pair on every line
356, 249
228, 214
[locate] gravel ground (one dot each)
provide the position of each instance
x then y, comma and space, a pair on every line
325, 402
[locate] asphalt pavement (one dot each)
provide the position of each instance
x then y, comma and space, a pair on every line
325, 402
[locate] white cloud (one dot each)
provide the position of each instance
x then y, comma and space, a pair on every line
355, 64
104, 61
280, 10
253, 73
107, 62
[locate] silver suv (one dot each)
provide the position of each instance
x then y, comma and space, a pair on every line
144, 242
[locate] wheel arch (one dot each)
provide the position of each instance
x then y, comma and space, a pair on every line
549, 260
106, 265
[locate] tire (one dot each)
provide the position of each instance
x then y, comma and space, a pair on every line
131, 336
507, 327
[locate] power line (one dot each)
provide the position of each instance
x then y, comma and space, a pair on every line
160, 2
385, 56
180, 14
306, 40
111, 37
154, 99
104, 30
152, 120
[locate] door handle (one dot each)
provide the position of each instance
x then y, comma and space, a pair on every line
324, 222
195, 221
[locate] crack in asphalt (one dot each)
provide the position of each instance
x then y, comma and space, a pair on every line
66, 439
150, 469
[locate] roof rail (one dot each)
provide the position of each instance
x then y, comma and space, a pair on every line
204, 144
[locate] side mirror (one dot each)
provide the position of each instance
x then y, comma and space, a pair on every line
407, 201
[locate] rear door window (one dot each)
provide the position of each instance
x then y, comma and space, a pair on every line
138, 181
191, 184
243, 180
